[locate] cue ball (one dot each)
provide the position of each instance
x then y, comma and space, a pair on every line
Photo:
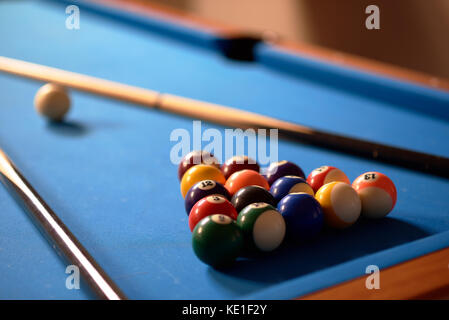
208, 206
262, 225
289, 184
203, 189
198, 173
341, 204
52, 101
377, 193
302, 214
324, 175
217, 240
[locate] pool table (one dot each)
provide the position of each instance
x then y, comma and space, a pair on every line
106, 169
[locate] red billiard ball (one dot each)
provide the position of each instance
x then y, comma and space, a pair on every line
324, 175
215, 204
239, 163
196, 157
377, 193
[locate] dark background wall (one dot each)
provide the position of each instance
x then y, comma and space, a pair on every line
413, 33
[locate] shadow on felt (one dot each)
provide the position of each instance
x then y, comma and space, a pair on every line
68, 128
330, 248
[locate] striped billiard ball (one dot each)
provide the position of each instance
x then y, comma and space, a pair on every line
289, 184
341, 204
377, 193
324, 175
262, 225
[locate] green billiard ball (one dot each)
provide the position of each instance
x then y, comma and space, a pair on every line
217, 240
262, 225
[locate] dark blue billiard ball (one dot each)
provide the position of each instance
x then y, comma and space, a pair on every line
302, 214
289, 184
282, 169
203, 189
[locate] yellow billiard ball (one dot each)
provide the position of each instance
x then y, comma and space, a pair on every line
340, 203
199, 173
52, 101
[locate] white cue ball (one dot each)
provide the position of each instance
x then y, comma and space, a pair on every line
52, 101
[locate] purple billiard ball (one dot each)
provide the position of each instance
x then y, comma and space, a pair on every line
303, 216
281, 169
203, 189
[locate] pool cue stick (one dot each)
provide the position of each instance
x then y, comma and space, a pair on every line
57, 232
227, 116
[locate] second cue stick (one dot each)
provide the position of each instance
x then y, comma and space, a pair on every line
57, 232
228, 116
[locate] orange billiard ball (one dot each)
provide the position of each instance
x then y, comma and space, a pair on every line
377, 193
244, 178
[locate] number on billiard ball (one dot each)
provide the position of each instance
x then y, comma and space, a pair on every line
203, 189
377, 193
214, 204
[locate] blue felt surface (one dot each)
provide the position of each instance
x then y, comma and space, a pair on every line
107, 174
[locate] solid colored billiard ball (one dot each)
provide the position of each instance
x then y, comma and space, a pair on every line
196, 157
282, 169
262, 225
217, 240
289, 184
244, 178
302, 214
52, 101
377, 193
202, 189
215, 204
341, 204
251, 194
198, 173
326, 174
238, 163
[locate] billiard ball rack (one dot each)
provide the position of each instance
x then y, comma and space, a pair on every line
227, 116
